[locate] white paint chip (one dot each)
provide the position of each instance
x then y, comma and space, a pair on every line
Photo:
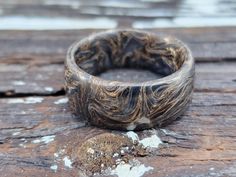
29, 100
15, 133
49, 89
45, 139
130, 170
18, 83
132, 135
115, 155
152, 141
61, 101
54, 167
67, 162
56, 155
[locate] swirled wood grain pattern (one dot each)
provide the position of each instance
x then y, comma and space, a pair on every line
129, 105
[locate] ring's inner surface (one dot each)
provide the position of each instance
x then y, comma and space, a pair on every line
130, 49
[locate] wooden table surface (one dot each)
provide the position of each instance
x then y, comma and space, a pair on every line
39, 136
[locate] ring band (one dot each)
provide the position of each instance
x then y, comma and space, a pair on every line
129, 105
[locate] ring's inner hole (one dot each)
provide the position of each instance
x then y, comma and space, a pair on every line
129, 56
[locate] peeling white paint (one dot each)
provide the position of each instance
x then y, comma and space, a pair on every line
61, 101
45, 139
152, 141
15, 133
56, 155
130, 170
23, 112
18, 83
115, 155
49, 89
132, 135
29, 100
54, 167
67, 162
22, 145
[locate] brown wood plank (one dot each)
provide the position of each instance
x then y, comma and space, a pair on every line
21, 79
207, 44
200, 143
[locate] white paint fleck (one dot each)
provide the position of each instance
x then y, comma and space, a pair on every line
130, 170
90, 150
153, 141
45, 139
15, 133
56, 155
18, 83
23, 112
22, 145
115, 154
132, 135
54, 167
49, 89
61, 101
67, 162
29, 100
211, 169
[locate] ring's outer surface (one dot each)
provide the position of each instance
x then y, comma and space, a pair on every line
124, 105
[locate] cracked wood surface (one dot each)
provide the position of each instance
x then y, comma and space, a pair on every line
37, 130
35, 122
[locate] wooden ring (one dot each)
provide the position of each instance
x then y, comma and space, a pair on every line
129, 105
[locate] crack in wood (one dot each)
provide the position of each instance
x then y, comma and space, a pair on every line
12, 94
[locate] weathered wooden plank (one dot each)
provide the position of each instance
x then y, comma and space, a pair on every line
200, 143
153, 9
207, 44
103, 8
18, 79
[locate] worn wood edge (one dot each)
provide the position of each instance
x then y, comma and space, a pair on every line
23, 80
210, 44
201, 140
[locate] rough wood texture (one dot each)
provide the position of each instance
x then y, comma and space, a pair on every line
39, 136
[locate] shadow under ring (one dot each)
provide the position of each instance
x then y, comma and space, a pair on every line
129, 105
